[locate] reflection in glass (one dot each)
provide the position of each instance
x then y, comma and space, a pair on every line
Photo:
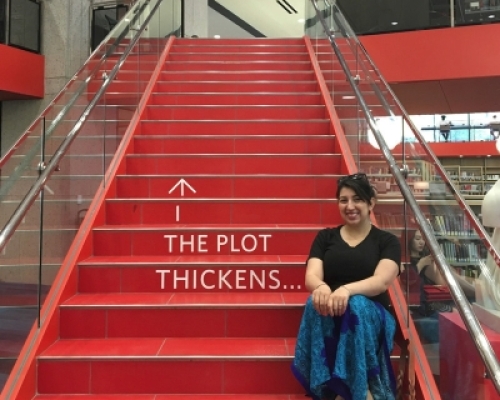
24, 25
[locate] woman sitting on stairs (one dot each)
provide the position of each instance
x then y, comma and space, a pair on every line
346, 334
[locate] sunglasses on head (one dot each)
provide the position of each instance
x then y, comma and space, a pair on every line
353, 177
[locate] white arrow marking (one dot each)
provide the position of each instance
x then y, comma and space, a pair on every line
177, 213
182, 183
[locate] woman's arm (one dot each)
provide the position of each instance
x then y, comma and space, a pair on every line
385, 273
320, 291
435, 276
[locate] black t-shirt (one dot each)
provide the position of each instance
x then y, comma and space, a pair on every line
343, 264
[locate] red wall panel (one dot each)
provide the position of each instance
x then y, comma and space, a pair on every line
449, 70
435, 54
22, 74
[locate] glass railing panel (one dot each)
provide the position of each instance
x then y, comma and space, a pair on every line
75, 91
21, 292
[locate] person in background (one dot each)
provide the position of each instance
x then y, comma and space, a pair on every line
425, 273
347, 330
444, 128
494, 128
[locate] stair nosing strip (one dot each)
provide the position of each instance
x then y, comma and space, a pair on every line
167, 357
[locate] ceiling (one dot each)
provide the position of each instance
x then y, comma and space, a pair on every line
270, 17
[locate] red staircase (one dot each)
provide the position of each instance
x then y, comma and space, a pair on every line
195, 282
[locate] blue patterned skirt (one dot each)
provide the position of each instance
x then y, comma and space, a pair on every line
346, 355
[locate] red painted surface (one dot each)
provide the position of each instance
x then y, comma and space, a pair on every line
22, 74
450, 70
462, 371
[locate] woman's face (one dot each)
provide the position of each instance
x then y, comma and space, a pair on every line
418, 242
353, 209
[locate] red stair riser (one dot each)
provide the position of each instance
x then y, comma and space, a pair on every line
153, 242
230, 187
234, 145
236, 99
149, 376
224, 87
265, 48
195, 278
281, 42
109, 322
188, 57
247, 164
237, 76
320, 127
233, 112
221, 212
260, 65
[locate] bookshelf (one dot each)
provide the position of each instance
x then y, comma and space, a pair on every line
419, 174
474, 176
459, 243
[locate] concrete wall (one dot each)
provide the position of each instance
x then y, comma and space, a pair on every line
65, 30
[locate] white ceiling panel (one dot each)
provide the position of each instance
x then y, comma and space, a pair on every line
268, 16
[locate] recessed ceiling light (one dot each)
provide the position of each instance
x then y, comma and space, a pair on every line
394, 23
348, 97
491, 16
217, 36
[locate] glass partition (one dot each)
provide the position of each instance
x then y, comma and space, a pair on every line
368, 17
94, 111
450, 260
24, 24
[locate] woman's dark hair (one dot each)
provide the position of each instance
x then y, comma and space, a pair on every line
411, 237
360, 184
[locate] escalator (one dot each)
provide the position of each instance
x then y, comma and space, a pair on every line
158, 161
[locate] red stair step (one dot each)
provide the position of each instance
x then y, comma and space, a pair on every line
236, 76
236, 98
231, 280
234, 112
229, 186
243, 42
114, 366
239, 48
224, 86
170, 397
216, 127
203, 144
141, 240
219, 315
250, 65
221, 211
237, 164
212, 56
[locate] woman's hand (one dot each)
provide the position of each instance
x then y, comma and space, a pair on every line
424, 262
320, 297
338, 300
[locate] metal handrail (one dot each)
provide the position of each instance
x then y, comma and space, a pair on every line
30, 197
133, 14
481, 342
